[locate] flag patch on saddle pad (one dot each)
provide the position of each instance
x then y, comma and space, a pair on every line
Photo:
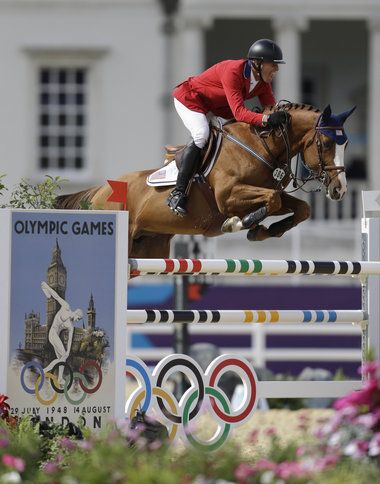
165, 176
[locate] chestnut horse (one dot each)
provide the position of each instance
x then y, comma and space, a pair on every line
248, 181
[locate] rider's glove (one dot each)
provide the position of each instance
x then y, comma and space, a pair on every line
277, 118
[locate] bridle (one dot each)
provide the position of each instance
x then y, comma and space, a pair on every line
323, 172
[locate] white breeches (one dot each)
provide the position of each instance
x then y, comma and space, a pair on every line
196, 123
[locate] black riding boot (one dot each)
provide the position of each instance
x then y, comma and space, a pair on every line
190, 160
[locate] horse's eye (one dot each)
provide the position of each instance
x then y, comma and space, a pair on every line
327, 144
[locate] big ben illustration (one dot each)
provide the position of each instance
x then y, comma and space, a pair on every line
57, 279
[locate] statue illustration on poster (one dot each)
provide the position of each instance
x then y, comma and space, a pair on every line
62, 320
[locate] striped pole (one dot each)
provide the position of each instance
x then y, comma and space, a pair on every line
140, 316
251, 267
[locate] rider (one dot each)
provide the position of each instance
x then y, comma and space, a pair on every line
222, 90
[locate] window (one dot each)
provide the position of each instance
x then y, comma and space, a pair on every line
62, 121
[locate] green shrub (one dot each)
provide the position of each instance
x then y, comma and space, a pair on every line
34, 196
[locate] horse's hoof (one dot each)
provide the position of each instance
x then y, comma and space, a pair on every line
252, 234
232, 224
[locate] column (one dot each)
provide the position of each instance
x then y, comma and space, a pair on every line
373, 164
287, 35
189, 61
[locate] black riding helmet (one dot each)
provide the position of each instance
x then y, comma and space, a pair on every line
265, 50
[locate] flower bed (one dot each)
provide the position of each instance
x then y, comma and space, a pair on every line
274, 447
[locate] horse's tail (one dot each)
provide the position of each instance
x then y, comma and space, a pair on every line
75, 201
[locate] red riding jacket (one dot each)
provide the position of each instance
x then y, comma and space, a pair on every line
222, 89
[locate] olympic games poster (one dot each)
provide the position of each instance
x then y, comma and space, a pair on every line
66, 306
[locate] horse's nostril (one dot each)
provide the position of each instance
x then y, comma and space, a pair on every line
336, 192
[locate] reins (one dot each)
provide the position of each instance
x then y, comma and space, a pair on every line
242, 145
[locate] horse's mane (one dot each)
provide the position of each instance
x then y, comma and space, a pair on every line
288, 106
284, 105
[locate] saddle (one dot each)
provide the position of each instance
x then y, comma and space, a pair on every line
167, 175
176, 152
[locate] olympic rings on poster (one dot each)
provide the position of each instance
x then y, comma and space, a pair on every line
27, 365
71, 374
203, 387
68, 381
84, 367
52, 379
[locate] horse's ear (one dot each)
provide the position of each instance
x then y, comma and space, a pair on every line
346, 114
326, 113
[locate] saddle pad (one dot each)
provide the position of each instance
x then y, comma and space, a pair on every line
163, 177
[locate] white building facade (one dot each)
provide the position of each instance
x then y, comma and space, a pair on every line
85, 84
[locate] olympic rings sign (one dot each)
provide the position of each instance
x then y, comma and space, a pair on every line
68, 381
151, 394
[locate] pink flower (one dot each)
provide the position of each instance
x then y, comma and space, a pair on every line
303, 418
374, 445
59, 458
370, 368
264, 465
325, 462
13, 462
67, 443
141, 443
303, 426
301, 451
368, 395
347, 413
50, 467
285, 470
253, 436
4, 442
271, 431
132, 434
356, 449
156, 444
85, 445
243, 472
333, 424
368, 420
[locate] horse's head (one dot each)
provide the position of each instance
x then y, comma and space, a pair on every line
323, 152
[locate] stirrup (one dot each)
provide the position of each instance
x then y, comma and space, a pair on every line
177, 202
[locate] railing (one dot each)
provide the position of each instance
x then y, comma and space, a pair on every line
256, 347
322, 208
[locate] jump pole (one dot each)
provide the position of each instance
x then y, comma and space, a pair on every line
368, 270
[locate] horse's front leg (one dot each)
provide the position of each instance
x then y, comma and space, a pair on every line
301, 212
246, 205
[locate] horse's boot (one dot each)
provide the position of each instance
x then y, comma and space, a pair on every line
177, 200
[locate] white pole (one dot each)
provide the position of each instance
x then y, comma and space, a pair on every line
371, 286
5, 294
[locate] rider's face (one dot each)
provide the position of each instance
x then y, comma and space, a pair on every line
268, 71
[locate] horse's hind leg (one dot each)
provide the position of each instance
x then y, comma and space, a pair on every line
301, 212
151, 246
